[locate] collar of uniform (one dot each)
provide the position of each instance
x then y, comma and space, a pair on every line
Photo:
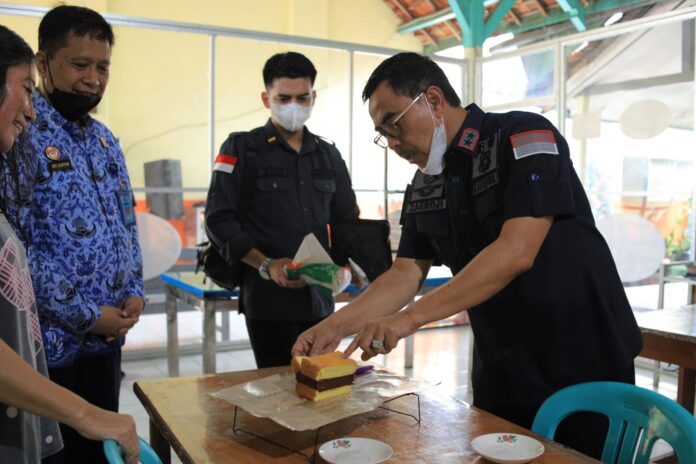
309, 140
44, 109
469, 132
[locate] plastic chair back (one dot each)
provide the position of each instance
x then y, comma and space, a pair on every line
637, 419
112, 450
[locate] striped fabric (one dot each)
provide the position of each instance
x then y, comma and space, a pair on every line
533, 143
225, 163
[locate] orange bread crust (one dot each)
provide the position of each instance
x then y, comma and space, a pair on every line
327, 366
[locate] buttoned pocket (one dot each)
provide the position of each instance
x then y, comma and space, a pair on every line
324, 189
271, 184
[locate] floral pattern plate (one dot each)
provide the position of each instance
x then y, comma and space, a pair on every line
351, 450
507, 448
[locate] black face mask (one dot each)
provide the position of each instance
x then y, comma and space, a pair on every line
73, 106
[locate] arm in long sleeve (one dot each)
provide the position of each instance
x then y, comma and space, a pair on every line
222, 224
57, 298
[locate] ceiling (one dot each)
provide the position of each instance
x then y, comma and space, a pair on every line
436, 23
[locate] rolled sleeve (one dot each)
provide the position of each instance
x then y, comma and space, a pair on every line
539, 184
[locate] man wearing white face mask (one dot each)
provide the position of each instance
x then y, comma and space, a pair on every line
496, 199
292, 183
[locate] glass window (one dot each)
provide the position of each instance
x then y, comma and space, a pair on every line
630, 125
518, 78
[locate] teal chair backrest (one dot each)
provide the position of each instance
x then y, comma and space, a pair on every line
637, 419
113, 453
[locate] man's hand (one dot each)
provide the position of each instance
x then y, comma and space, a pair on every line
99, 424
112, 324
132, 306
322, 338
276, 270
388, 330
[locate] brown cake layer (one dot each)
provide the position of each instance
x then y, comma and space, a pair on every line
326, 384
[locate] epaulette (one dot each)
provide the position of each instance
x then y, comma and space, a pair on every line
329, 141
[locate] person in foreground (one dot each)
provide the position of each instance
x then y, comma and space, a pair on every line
25, 391
496, 199
299, 185
75, 216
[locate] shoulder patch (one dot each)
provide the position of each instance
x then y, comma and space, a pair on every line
469, 139
225, 163
533, 142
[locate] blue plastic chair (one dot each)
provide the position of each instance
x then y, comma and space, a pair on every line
637, 419
112, 450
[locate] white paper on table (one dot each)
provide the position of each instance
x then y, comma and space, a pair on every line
274, 397
311, 251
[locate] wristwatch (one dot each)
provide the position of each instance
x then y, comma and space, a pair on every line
263, 269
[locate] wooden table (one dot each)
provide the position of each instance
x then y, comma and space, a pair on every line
199, 427
669, 335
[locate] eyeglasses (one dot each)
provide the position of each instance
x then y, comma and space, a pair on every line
391, 128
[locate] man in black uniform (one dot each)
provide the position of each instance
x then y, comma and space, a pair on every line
298, 185
497, 200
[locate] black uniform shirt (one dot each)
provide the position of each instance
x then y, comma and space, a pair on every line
293, 195
564, 321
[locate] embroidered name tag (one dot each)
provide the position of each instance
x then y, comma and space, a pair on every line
423, 206
427, 194
62, 165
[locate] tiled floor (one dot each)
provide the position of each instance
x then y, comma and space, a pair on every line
439, 354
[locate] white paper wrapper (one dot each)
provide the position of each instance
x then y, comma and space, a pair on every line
274, 397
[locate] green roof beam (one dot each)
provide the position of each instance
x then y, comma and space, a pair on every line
443, 44
497, 16
470, 14
576, 13
435, 18
596, 7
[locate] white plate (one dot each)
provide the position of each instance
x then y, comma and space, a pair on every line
350, 450
507, 448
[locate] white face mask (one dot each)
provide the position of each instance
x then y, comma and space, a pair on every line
291, 116
438, 147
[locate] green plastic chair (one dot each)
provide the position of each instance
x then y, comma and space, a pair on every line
112, 450
637, 419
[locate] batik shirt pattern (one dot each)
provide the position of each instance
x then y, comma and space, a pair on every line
24, 438
82, 251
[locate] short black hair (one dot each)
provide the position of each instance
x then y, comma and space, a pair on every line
61, 22
14, 51
290, 64
409, 74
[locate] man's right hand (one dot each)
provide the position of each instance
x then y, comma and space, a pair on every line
323, 337
100, 424
111, 324
276, 270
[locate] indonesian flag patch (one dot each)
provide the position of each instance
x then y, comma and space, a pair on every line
225, 163
533, 143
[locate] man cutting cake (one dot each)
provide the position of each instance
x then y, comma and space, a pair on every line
496, 199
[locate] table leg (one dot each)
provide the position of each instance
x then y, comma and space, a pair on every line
225, 325
208, 337
408, 352
172, 334
686, 388
159, 444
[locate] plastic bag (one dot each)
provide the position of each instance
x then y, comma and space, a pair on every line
329, 277
314, 265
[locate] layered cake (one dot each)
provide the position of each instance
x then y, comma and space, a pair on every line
324, 376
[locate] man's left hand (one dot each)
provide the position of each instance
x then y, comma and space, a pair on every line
384, 331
